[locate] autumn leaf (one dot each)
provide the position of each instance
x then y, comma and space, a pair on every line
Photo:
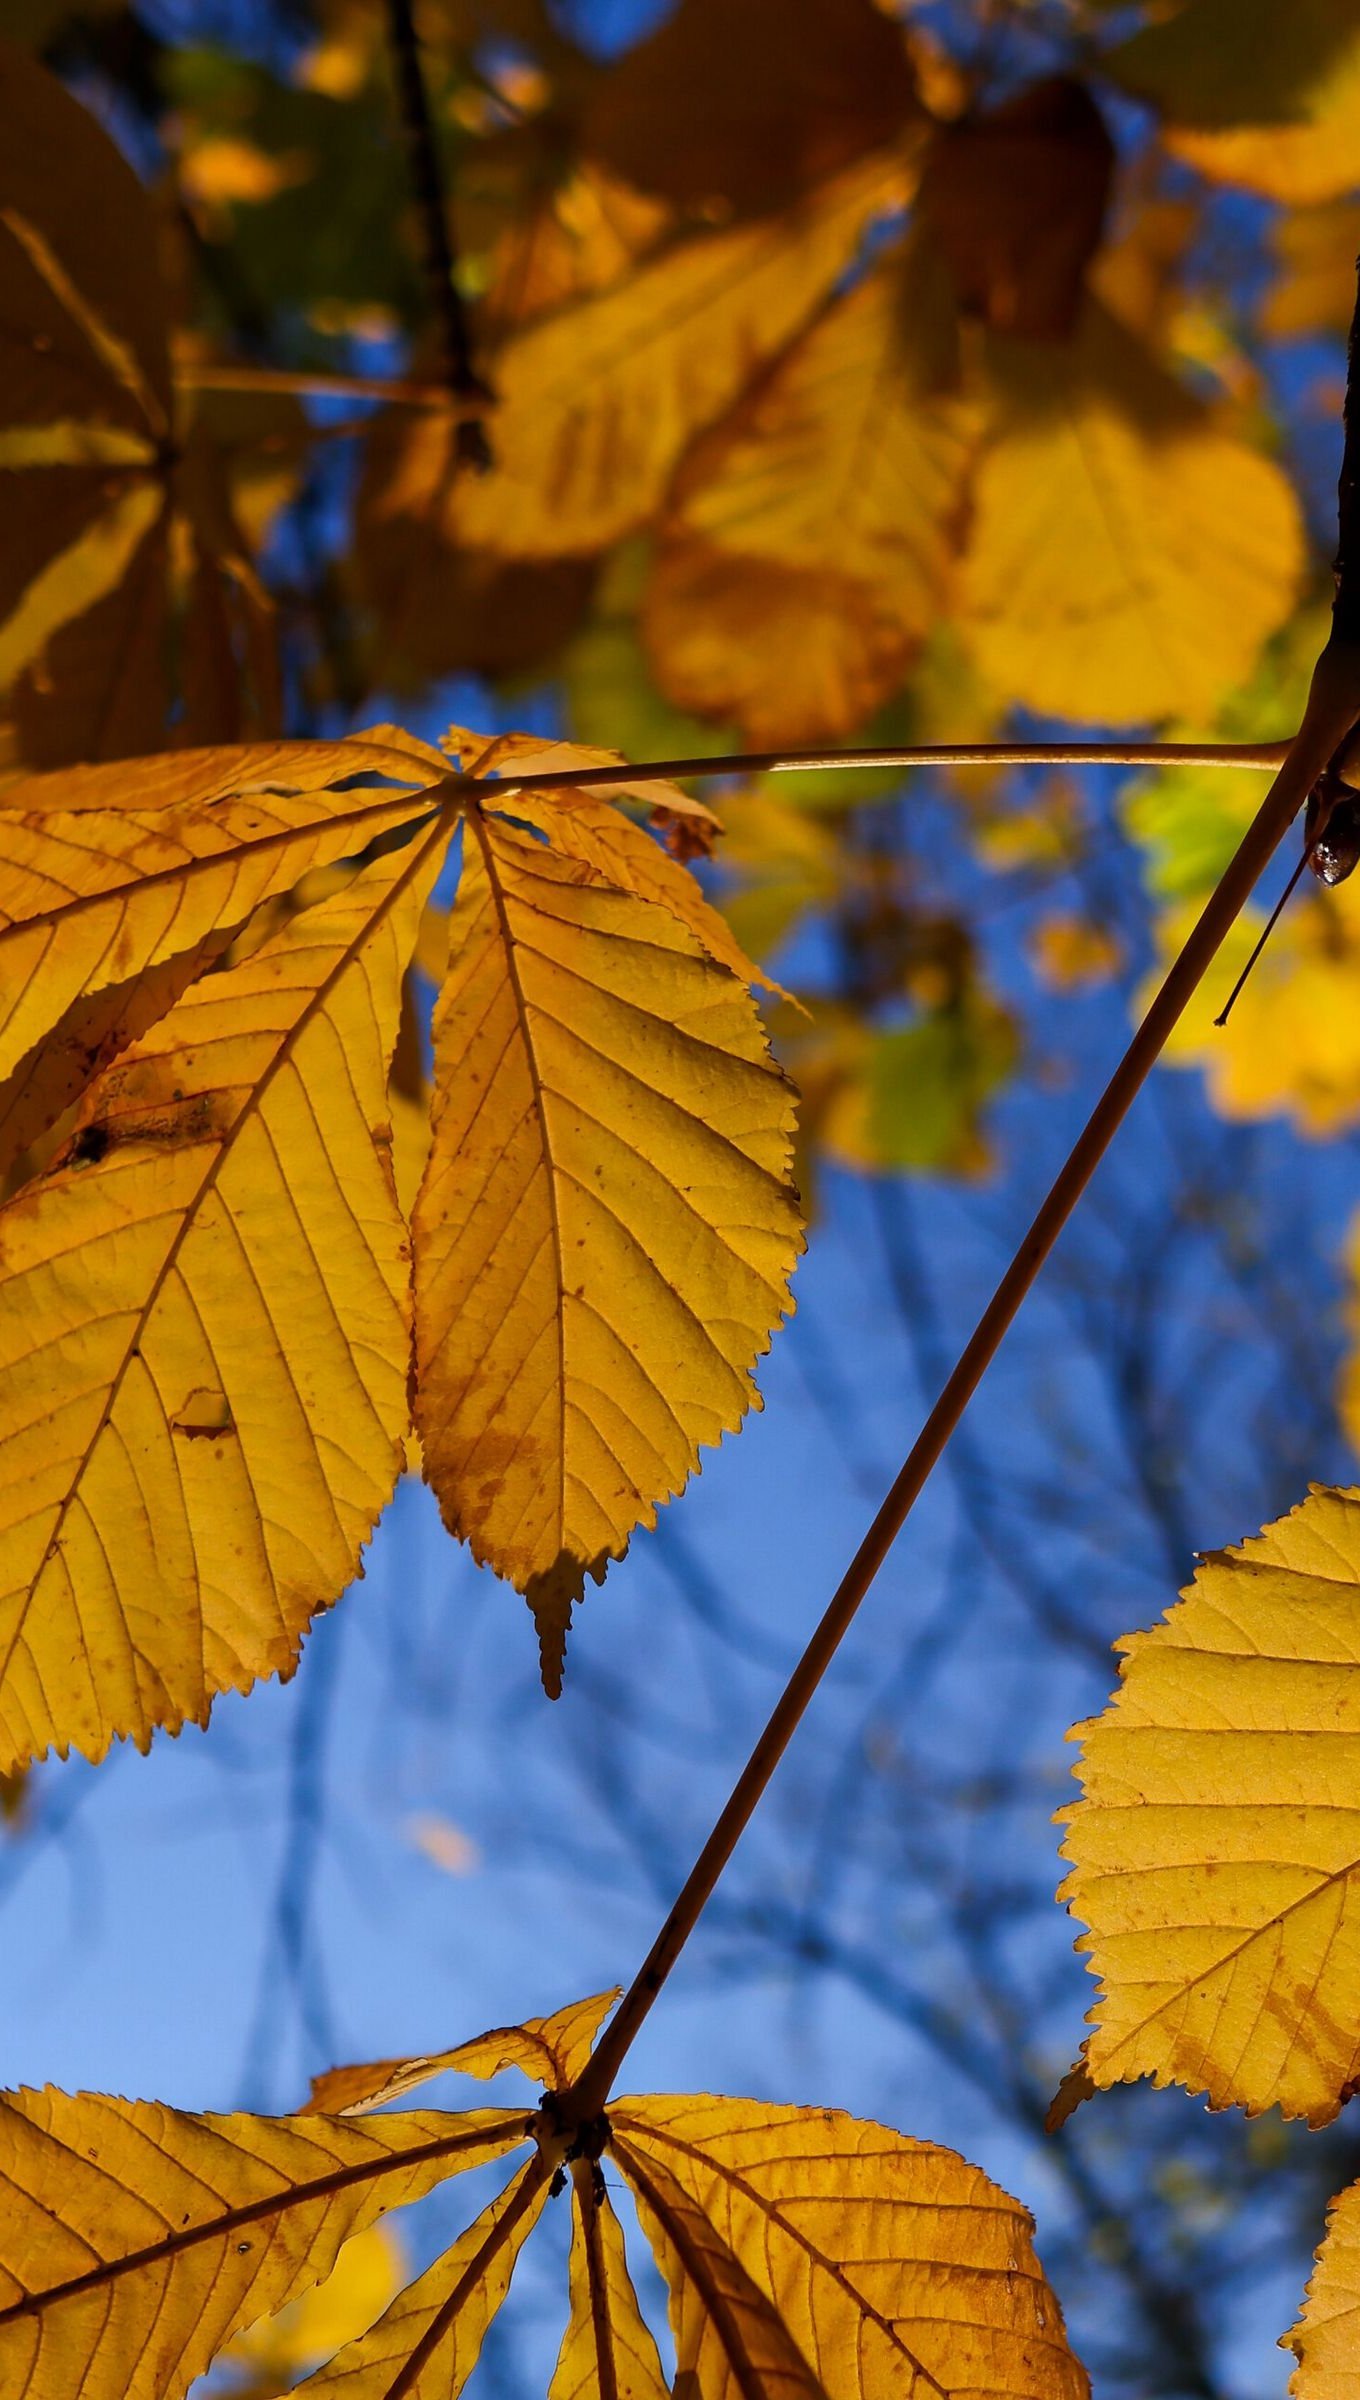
1016, 198
607, 2347
123, 883
597, 400
207, 1335
1216, 1849
885, 2265
606, 1219
1128, 557
135, 2240
218, 1126
1324, 2340
820, 522
271, 2353
806, 2253
549, 2050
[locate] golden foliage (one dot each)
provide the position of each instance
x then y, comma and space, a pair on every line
207, 1336
835, 501
272, 2352
606, 1218
1324, 2340
597, 401
607, 2347
1128, 556
805, 2253
207, 1267
887, 2265
549, 2050
122, 884
1255, 95
1216, 1849
135, 2240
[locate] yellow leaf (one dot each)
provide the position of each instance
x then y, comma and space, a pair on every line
606, 1229
820, 524
441, 2318
122, 883
607, 2351
581, 824
366, 2273
222, 1223
1127, 558
807, 2254
1291, 1045
136, 2239
1216, 1850
597, 401
1325, 2340
887, 2265
549, 2050
508, 755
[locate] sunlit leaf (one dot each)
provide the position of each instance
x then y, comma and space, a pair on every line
1216, 1850
806, 2253
597, 401
136, 2239
886, 2265
1254, 94
1325, 2338
123, 883
438, 2324
820, 523
607, 2348
549, 2050
207, 1336
366, 2273
606, 1227
1128, 557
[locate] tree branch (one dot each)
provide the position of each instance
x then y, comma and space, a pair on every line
464, 385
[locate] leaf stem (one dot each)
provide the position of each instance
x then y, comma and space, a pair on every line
1264, 757
1333, 708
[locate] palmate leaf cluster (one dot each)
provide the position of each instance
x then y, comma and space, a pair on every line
805, 2253
222, 1316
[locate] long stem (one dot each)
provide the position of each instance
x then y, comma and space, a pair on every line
1333, 708
1262, 757
208, 375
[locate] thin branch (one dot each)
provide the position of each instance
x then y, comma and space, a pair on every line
1332, 710
441, 274
208, 375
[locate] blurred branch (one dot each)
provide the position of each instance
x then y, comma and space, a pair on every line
461, 379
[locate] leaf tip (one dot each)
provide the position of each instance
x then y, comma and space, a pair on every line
1075, 2087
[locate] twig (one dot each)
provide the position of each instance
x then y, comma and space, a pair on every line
461, 379
208, 375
